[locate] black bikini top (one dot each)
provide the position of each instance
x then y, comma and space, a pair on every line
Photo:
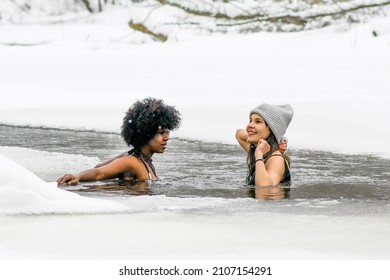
287, 173
144, 159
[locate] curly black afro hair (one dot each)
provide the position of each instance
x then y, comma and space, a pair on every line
144, 118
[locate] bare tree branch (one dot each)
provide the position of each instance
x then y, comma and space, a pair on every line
142, 28
87, 5
297, 20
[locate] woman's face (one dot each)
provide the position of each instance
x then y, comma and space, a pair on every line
257, 129
159, 142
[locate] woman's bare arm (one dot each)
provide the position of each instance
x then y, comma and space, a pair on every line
108, 171
241, 136
111, 160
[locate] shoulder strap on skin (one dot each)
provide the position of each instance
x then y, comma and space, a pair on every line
287, 166
133, 152
282, 157
276, 155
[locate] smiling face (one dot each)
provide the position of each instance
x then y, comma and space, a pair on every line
257, 129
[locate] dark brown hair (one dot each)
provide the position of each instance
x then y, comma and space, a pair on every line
251, 160
144, 118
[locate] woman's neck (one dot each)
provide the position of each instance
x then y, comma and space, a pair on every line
147, 153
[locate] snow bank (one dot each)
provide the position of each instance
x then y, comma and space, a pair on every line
336, 81
23, 192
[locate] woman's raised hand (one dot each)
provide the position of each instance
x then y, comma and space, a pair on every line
262, 148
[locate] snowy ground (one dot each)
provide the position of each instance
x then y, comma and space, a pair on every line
85, 76
336, 80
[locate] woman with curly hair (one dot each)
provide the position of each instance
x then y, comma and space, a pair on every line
145, 127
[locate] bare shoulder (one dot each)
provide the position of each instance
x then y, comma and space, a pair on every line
135, 164
129, 161
276, 158
277, 154
127, 164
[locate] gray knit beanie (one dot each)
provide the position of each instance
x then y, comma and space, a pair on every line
277, 117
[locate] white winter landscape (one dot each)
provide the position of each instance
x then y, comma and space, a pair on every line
79, 71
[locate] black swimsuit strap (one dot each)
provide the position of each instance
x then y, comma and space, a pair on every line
282, 157
151, 166
287, 166
276, 155
136, 153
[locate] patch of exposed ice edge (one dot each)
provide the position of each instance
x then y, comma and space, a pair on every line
22, 192
44, 162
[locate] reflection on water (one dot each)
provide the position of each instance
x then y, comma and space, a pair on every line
269, 193
113, 187
200, 169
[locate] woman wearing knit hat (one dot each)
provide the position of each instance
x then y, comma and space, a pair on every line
267, 165
146, 128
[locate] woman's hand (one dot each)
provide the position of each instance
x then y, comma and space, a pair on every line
283, 146
262, 148
69, 179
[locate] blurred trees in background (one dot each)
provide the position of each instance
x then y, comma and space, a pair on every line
205, 15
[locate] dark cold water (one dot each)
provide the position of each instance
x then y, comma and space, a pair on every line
201, 169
